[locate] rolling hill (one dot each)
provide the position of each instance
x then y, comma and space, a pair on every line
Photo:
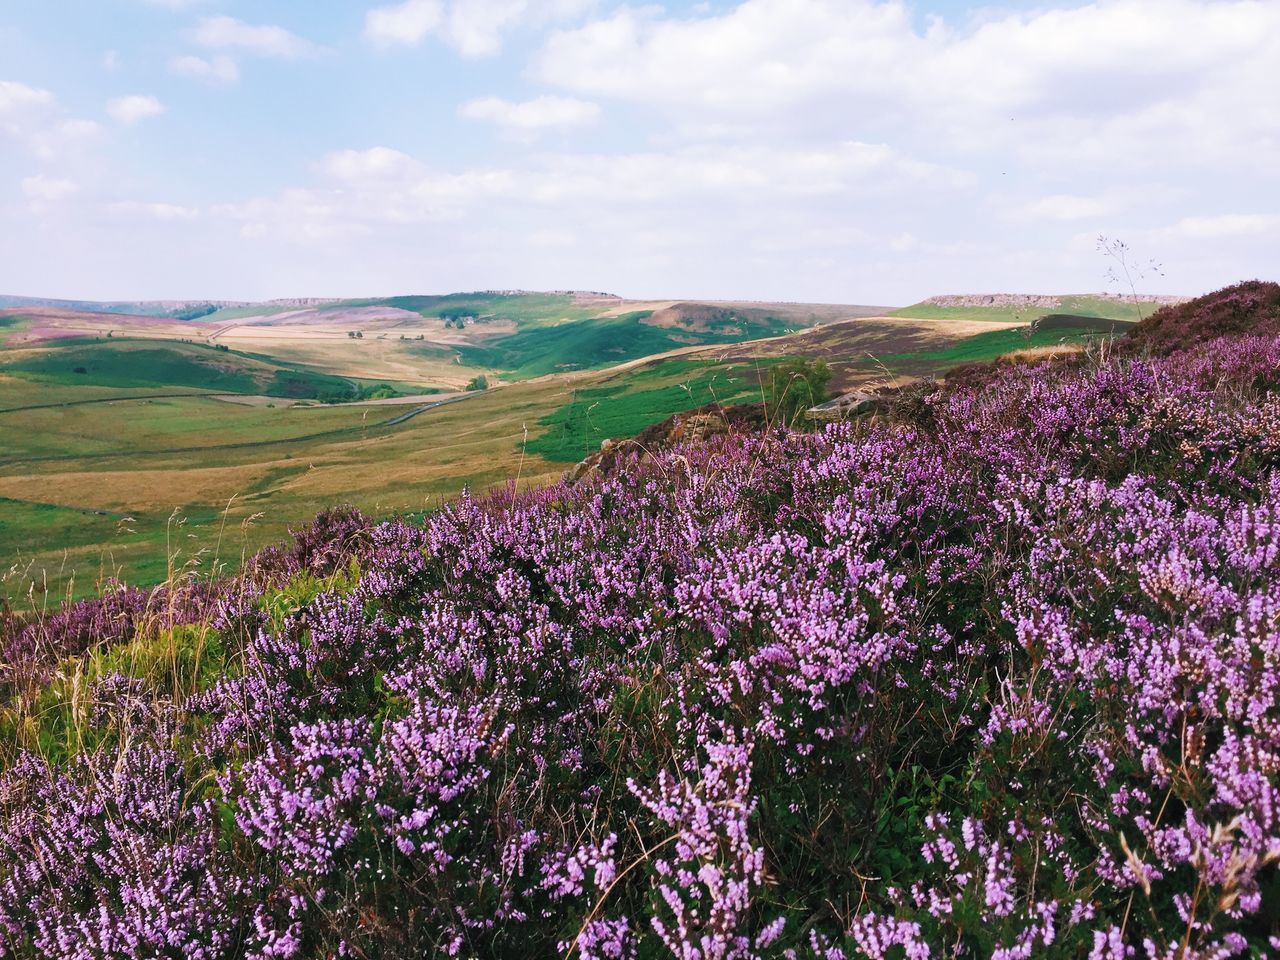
121, 449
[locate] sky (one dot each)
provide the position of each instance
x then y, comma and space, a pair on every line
852, 151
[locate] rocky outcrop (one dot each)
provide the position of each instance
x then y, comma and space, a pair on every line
1038, 300
846, 407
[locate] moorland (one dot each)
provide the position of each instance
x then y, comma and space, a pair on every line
990, 671
139, 438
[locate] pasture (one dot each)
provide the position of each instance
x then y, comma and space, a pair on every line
126, 456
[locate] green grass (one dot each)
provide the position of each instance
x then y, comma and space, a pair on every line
989, 346
23, 522
624, 405
599, 343
230, 314
138, 428
10, 325
525, 309
77, 546
1083, 306
134, 364
145, 364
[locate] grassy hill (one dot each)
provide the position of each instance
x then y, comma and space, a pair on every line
96, 428
125, 363
996, 677
1079, 305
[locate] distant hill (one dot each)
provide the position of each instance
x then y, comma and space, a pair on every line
177, 309
1026, 307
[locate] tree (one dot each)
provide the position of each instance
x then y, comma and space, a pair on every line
794, 387
480, 382
458, 316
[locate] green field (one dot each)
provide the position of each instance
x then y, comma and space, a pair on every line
625, 404
142, 364
116, 460
525, 309
1083, 306
9, 326
989, 346
599, 343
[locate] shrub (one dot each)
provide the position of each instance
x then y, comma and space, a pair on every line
1001, 681
795, 386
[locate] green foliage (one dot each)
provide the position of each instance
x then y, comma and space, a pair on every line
599, 343
142, 364
624, 407
173, 663
458, 314
130, 365
794, 387
525, 309
195, 313
988, 346
280, 603
1083, 306
480, 382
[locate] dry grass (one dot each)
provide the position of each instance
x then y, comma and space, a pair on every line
1039, 354
853, 348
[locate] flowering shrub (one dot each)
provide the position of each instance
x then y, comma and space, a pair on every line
1003, 681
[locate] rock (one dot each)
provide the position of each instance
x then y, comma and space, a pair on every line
854, 404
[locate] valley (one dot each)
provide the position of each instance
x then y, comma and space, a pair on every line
132, 444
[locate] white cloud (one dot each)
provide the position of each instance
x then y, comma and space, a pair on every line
904, 243
217, 69
1065, 206
1107, 83
406, 24
805, 149
374, 164
61, 139
134, 109
165, 212
381, 186
78, 129
1225, 226
15, 97
228, 33
475, 28
527, 116
41, 187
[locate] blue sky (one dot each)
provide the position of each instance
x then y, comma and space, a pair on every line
869, 151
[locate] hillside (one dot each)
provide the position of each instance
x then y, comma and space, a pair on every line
998, 676
128, 439
437, 342
120, 432
1026, 308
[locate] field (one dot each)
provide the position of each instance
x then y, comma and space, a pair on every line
1111, 308
994, 675
131, 453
